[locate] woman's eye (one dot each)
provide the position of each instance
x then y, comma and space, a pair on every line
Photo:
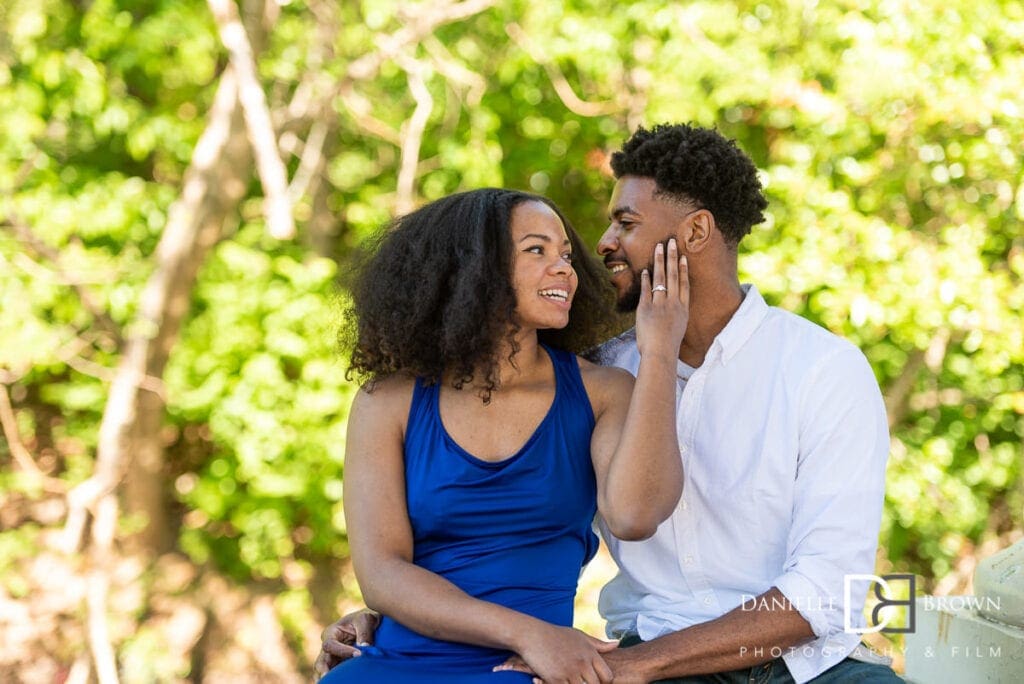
568, 256
535, 250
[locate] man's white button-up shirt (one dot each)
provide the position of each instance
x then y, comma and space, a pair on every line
784, 440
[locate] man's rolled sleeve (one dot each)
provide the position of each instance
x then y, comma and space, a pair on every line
840, 483
804, 595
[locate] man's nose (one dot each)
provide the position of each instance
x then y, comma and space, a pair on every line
608, 243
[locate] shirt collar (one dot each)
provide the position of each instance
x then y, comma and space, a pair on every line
743, 323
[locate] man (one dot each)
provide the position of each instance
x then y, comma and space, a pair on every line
783, 437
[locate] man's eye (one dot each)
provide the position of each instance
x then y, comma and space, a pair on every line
624, 224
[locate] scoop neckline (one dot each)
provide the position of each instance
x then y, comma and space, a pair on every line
476, 460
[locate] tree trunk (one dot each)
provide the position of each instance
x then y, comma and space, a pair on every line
214, 185
129, 436
192, 230
323, 230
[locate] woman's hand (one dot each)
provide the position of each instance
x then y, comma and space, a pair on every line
562, 655
664, 308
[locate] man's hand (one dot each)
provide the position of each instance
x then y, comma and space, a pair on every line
342, 639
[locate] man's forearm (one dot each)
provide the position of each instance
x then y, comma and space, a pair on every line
740, 638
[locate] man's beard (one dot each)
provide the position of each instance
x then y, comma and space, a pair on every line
630, 299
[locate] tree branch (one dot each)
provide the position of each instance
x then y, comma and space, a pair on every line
191, 218
307, 103
565, 92
80, 671
315, 80
898, 394
100, 372
98, 587
418, 26
29, 239
359, 107
412, 136
312, 155
17, 447
453, 70
273, 177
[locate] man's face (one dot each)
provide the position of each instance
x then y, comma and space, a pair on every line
639, 221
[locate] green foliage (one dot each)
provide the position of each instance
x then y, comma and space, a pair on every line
889, 134
258, 369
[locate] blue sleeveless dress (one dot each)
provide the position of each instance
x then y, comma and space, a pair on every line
516, 532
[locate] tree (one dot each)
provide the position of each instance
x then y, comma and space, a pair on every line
889, 137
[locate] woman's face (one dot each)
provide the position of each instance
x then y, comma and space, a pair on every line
542, 273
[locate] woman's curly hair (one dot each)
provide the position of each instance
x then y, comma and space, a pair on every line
434, 294
694, 164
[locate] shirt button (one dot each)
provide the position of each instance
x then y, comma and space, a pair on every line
688, 559
707, 601
685, 505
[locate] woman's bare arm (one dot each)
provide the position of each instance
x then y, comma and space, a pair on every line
635, 447
381, 542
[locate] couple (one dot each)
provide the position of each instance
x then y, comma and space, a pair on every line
468, 498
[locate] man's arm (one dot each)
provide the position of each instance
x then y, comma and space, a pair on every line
844, 444
740, 638
342, 639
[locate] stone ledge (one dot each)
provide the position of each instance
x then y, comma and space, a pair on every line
953, 644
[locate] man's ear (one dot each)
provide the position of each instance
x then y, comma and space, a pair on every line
697, 233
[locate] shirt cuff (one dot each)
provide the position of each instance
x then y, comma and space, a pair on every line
807, 599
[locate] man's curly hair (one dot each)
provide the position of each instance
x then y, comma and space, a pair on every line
434, 294
697, 165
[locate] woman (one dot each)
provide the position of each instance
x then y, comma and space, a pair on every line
480, 447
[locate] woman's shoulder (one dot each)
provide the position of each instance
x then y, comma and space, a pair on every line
605, 381
384, 399
588, 367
